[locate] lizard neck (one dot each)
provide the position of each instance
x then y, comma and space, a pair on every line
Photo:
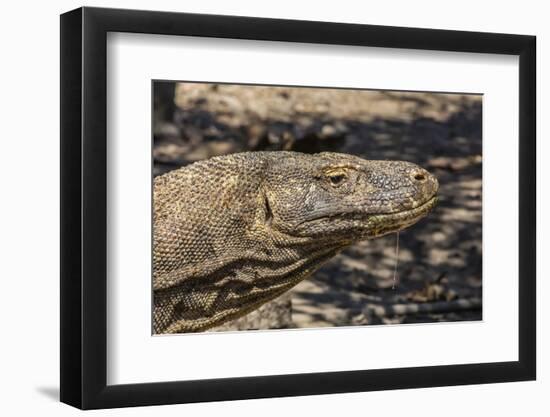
239, 285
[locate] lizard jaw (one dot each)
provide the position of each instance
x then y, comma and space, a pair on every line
383, 224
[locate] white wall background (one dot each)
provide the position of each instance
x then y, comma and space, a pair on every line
29, 207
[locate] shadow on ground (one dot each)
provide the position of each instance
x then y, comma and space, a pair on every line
50, 392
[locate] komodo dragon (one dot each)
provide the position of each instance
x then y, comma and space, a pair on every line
236, 231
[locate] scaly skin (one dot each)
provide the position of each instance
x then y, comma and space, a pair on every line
233, 232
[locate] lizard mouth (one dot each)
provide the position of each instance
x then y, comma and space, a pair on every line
365, 226
382, 224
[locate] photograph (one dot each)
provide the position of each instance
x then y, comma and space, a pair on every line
295, 207
267, 206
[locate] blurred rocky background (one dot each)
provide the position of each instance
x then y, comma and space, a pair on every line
439, 267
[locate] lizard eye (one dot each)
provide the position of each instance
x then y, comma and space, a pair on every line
337, 179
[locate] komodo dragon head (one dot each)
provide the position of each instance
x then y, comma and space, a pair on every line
234, 232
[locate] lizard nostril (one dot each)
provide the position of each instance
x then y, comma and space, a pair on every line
420, 177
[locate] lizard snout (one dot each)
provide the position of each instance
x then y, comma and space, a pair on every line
425, 181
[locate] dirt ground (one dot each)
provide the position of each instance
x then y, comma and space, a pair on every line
439, 266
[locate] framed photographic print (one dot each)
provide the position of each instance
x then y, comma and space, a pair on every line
258, 208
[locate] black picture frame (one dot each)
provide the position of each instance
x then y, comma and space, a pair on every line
84, 207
